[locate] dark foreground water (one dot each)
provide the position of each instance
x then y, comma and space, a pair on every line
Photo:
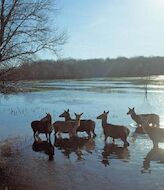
81, 163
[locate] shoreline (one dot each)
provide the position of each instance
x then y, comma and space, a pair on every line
23, 86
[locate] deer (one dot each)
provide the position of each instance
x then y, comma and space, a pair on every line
42, 126
114, 131
87, 126
59, 124
68, 126
151, 119
155, 134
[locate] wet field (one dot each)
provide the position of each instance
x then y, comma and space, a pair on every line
81, 163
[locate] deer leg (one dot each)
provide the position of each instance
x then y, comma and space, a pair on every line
70, 135
105, 138
49, 137
126, 143
155, 144
46, 136
94, 134
55, 133
34, 135
89, 134
74, 133
124, 139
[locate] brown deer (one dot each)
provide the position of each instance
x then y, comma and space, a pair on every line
57, 125
154, 133
87, 126
150, 119
114, 131
68, 126
42, 126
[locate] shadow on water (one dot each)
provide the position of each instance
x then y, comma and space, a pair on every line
75, 145
156, 155
44, 146
113, 151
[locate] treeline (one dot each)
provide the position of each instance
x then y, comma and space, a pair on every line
73, 68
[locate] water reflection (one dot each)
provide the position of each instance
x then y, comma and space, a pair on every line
113, 151
3, 180
155, 154
43, 146
75, 145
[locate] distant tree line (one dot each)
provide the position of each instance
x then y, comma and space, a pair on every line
76, 69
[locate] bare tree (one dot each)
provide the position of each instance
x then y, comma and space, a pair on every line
25, 30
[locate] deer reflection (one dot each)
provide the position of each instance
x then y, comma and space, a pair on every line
75, 145
113, 151
155, 154
44, 146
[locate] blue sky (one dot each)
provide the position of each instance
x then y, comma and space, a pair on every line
111, 28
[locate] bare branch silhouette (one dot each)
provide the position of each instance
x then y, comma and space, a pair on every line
25, 30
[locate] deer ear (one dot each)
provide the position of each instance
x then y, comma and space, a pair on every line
68, 110
133, 108
81, 114
75, 114
104, 111
107, 112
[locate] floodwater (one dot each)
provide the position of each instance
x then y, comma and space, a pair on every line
81, 163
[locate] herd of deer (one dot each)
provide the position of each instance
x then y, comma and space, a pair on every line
146, 123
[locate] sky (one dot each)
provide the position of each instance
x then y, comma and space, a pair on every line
111, 28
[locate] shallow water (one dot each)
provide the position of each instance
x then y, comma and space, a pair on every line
83, 163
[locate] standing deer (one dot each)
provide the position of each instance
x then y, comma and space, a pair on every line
42, 126
114, 131
150, 119
155, 134
85, 125
68, 126
57, 125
